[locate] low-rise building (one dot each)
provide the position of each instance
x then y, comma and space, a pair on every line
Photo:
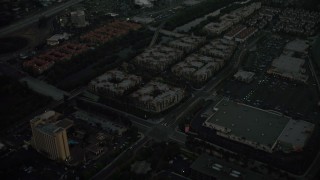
142, 20
220, 48
244, 76
289, 67
187, 43
157, 97
114, 83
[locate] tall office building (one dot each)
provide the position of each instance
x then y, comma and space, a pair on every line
49, 135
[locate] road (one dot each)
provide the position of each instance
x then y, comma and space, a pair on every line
34, 18
156, 34
124, 156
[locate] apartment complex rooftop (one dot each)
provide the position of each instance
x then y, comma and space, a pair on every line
114, 82
234, 31
156, 96
158, 58
109, 31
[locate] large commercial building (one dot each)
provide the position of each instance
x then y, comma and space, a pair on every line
55, 39
158, 58
114, 83
109, 31
265, 130
201, 66
246, 34
289, 67
157, 96
49, 135
298, 46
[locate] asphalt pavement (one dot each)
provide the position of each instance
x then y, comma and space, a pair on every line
35, 18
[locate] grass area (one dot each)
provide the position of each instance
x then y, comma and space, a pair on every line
17, 101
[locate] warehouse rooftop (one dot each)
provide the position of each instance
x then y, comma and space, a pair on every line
251, 123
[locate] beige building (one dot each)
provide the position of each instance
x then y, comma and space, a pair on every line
157, 97
158, 58
49, 135
114, 83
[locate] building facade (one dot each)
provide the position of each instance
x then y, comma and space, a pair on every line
49, 136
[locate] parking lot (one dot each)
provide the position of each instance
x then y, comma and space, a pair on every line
269, 92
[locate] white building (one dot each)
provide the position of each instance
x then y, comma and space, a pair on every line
198, 68
220, 48
246, 34
55, 39
144, 3
228, 20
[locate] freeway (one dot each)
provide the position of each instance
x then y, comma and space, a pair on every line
34, 18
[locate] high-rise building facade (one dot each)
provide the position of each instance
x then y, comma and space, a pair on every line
49, 135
